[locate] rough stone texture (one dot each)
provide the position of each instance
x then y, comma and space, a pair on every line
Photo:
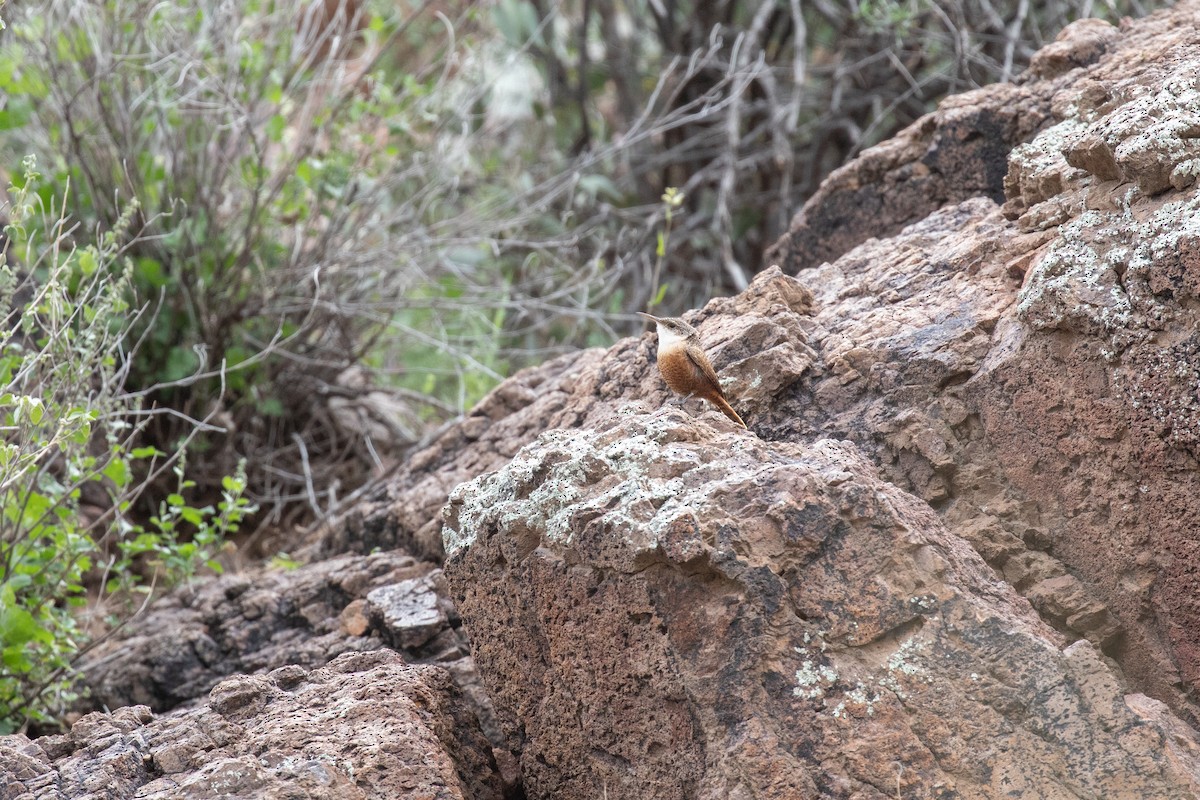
412, 612
954, 154
258, 621
1108, 452
365, 726
667, 609
1054, 426
918, 339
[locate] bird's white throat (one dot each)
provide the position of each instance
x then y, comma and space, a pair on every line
668, 338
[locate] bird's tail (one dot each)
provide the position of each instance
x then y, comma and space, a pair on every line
726, 409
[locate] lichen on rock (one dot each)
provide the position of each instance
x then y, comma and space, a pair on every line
634, 591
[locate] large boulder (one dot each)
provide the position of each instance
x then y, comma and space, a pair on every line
669, 607
1026, 370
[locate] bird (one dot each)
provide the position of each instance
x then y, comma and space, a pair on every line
684, 365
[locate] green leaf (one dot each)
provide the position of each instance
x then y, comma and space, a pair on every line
87, 261
15, 660
181, 363
18, 582
516, 20
117, 471
659, 295
600, 187
16, 115
17, 626
150, 272
276, 127
271, 407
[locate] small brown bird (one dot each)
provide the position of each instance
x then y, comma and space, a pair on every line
685, 367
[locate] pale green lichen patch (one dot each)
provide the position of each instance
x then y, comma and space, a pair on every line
1185, 173
630, 485
1154, 126
1076, 284
506, 495
859, 700
1093, 278
1038, 170
1169, 228
818, 679
904, 668
1153, 133
813, 679
906, 658
810, 638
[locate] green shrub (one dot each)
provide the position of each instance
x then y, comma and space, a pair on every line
72, 557
311, 203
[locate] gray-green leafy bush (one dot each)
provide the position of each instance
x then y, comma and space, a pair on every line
311, 204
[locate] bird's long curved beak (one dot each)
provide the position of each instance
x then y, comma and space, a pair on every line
650, 317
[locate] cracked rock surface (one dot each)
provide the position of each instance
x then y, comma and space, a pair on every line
366, 725
670, 609
258, 621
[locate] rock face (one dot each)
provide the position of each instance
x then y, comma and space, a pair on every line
666, 609
1030, 371
201, 634
1020, 377
365, 726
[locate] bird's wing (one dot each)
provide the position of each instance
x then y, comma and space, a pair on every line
702, 363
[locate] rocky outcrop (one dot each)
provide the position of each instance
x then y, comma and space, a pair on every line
668, 608
366, 725
1053, 446
1025, 370
576, 391
954, 154
265, 619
